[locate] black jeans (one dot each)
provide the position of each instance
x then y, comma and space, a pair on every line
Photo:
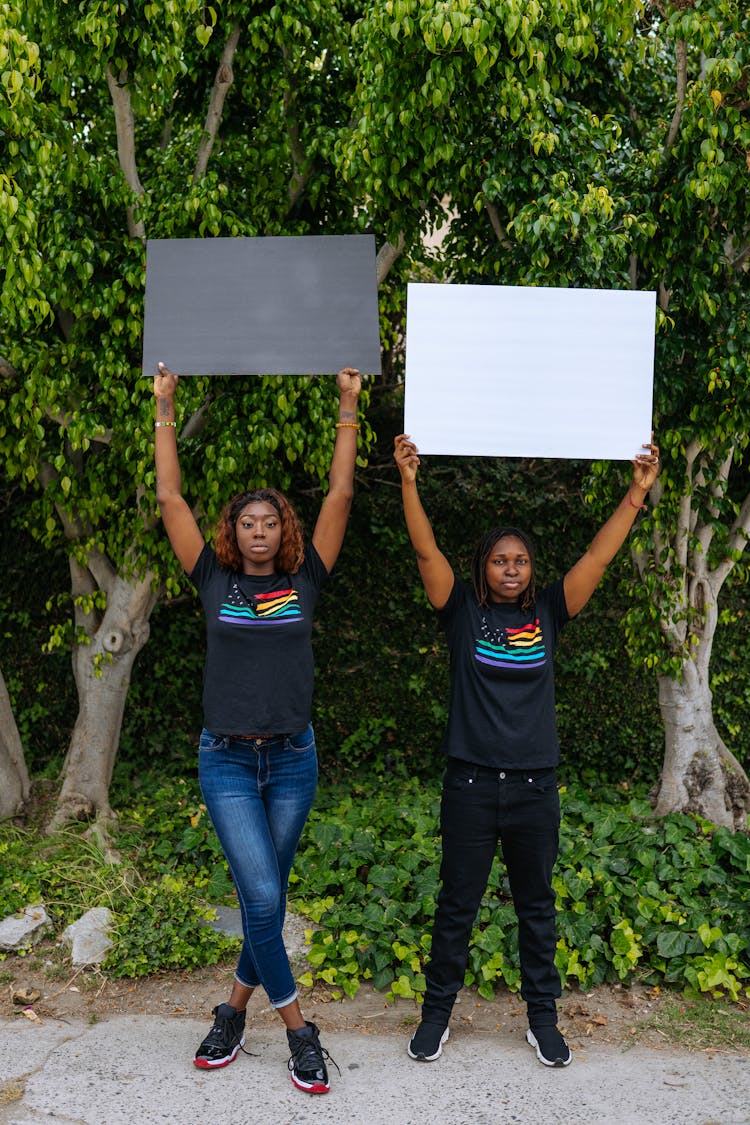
520, 809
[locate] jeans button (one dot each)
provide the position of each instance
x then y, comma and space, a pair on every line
502, 775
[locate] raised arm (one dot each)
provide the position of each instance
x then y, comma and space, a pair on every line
184, 533
330, 526
434, 568
583, 578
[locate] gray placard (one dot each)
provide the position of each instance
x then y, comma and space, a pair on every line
277, 306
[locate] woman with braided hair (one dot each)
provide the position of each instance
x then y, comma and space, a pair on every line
500, 783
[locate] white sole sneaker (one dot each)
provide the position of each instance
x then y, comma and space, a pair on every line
532, 1040
437, 1054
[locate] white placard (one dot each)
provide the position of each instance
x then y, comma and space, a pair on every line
517, 371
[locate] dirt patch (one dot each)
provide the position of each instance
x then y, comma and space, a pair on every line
604, 1015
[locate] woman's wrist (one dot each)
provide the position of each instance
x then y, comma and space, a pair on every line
636, 496
164, 411
347, 408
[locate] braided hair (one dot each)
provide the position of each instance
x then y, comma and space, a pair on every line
479, 565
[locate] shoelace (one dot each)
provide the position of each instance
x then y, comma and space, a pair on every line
220, 1033
308, 1054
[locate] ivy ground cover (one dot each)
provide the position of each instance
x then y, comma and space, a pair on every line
659, 901
662, 901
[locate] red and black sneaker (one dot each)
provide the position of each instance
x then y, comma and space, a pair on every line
224, 1040
307, 1064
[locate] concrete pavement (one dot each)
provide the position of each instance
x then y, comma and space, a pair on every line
137, 1070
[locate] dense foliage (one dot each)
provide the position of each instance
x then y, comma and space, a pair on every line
637, 899
666, 902
578, 144
381, 683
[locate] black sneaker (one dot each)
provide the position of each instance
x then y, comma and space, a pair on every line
307, 1064
224, 1040
551, 1049
426, 1043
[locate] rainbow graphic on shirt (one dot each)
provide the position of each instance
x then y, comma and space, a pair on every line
263, 609
521, 647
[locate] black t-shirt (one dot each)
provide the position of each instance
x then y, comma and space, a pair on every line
258, 676
502, 703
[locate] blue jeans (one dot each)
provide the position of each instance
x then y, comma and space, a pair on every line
258, 795
480, 807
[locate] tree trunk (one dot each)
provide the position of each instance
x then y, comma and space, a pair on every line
700, 775
102, 670
15, 786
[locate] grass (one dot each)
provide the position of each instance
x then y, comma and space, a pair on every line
701, 1024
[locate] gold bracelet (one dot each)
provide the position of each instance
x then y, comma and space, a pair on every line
157, 424
347, 425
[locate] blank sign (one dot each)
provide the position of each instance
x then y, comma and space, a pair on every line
277, 306
529, 372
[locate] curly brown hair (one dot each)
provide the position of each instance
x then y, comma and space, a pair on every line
291, 552
479, 565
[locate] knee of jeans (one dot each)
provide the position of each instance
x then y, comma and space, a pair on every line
262, 902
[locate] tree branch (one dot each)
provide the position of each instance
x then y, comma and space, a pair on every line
387, 255
739, 261
223, 80
684, 519
125, 127
101, 570
301, 164
681, 60
739, 536
717, 488
660, 543
72, 528
196, 421
497, 226
664, 296
6, 370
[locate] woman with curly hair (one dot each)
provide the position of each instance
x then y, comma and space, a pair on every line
257, 759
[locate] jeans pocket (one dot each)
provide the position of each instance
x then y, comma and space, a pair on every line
544, 781
211, 741
459, 775
303, 741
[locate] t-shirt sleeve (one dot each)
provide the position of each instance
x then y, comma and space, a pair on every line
205, 567
314, 567
558, 606
456, 601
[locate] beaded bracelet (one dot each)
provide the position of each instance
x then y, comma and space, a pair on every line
347, 425
157, 424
